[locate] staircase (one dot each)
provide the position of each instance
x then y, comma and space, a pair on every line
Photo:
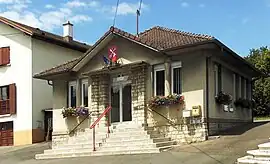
259, 156
125, 138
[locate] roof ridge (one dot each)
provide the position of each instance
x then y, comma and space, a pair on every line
205, 36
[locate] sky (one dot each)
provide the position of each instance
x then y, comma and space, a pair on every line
239, 24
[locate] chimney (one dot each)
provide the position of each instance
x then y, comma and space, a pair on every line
68, 31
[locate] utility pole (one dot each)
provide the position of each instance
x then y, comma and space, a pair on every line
138, 14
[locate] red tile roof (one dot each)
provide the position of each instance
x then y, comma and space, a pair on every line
164, 38
158, 38
46, 36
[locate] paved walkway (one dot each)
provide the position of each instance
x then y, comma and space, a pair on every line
226, 150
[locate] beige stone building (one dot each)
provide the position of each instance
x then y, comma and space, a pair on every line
157, 62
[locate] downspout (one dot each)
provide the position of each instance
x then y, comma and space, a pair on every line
207, 94
50, 82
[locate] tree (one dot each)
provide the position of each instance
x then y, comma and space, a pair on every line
260, 58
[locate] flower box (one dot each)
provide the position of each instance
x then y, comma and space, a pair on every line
158, 101
223, 98
75, 112
243, 103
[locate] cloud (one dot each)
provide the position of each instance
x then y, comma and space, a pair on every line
185, 4
17, 7
93, 4
80, 18
125, 8
75, 3
27, 18
19, 11
201, 5
49, 6
14, 1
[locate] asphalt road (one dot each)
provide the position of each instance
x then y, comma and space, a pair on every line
226, 149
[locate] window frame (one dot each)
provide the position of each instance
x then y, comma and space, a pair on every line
217, 78
84, 82
159, 67
5, 60
234, 86
240, 87
176, 64
71, 83
7, 92
244, 87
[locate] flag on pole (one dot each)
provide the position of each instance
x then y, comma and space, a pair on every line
113, 53
106, 61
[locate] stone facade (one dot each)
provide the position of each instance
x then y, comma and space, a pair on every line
138, 78
169, 121
218, 125
100, 95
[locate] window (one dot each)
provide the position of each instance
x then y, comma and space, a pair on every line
8, 99
240, 87
248, 91
84, 92
218, 78
72, 94
4, 93
237, 86
243, 87
176, 78
4, 55
159, 80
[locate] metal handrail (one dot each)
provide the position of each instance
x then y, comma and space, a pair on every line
96, 122
80, 123
169, 121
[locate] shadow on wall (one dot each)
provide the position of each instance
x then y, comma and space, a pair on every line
173, 113
238, 130
72, 122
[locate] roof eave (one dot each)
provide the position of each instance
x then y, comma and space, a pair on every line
60, 43
221, 45
48, 76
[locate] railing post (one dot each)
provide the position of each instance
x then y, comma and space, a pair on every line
108, 123
94, 142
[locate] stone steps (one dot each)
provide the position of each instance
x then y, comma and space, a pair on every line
258, 156
76, 146
259, 153
252, 160
265, 146
96, 153
124, 139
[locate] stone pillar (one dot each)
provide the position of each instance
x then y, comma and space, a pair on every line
138, 88
100, 94
89, 92
78, 93
167, 66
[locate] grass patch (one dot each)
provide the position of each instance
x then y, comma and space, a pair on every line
262, 118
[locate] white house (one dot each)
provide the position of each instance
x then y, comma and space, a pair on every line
24, 51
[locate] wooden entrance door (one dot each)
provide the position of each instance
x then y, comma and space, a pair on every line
6, 133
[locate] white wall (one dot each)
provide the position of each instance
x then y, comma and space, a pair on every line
45, 56
19, 72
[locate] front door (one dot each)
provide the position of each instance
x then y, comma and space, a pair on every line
121, 103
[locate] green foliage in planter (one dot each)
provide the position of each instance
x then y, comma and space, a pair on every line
223, 98
75, 112
244, 103
165, 100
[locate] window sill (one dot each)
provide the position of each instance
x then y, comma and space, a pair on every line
5, 115
5, 65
